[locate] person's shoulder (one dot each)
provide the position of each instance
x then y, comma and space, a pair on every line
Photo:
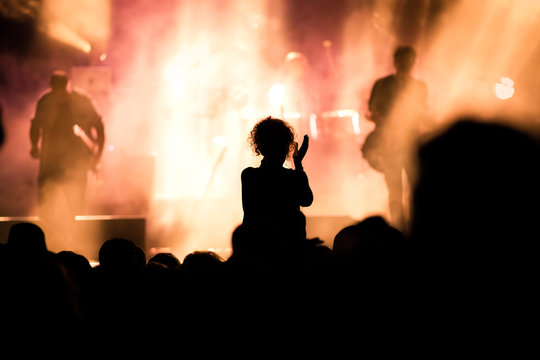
292, 173
389, 77
79, 91
248, 171
80, 94
45, 101
83, 99
386, 80
44, 96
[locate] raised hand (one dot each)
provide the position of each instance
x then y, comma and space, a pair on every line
299, 153
34, 153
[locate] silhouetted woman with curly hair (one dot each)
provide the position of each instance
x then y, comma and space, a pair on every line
272, 194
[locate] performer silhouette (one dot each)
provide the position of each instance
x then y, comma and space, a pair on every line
67, 136
398, 107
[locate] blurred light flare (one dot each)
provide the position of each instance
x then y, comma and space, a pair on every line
291, 115
313, 129
276, 95
174, 75
504, 89
356, 123
221, 140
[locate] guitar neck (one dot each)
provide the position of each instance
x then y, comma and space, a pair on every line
78, 131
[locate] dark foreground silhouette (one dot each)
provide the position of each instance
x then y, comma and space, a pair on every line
463, 278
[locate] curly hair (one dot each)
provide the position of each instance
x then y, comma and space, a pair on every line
272, 137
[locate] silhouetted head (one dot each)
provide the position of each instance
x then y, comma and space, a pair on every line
404, 59
369, 238
27, 238
478, 188
272, 138
167, 259
202, 263
121, 256
59, 80
77, 265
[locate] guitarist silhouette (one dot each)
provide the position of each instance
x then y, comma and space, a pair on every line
67, 136
398, 107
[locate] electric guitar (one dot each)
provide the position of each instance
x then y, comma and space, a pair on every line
91, 146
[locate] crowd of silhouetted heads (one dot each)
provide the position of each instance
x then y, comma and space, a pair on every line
466, 266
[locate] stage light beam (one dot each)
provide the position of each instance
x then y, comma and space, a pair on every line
59, 31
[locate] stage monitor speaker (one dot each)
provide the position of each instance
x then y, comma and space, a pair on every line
125, 185
92, 231
89, 233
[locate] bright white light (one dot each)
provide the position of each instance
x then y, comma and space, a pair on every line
292, 115
77, 130
175, 75
276, 95
356, 123
250, 112
313, 126
339, 113
220, 140
505, 89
